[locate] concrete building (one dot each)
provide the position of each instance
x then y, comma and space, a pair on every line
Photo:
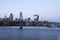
20, 16
11, 17
1, 19
36, 18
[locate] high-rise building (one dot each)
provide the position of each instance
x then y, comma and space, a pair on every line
11, 17
20, 16
36, 18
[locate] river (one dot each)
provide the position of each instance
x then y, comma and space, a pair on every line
29, 33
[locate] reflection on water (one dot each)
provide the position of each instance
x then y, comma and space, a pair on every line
29, 33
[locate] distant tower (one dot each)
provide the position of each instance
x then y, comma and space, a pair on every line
36, 18
21, 16
5, 17
11, 17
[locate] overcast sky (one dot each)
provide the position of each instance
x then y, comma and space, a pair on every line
46, 9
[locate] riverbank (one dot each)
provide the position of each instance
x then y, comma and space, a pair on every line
28, 23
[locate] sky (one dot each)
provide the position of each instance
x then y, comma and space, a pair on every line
46, 9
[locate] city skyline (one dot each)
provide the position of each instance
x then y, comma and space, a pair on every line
46, 9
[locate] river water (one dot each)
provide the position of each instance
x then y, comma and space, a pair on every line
29, 33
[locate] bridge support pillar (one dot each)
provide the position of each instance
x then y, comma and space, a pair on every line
21, 24
20, 27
